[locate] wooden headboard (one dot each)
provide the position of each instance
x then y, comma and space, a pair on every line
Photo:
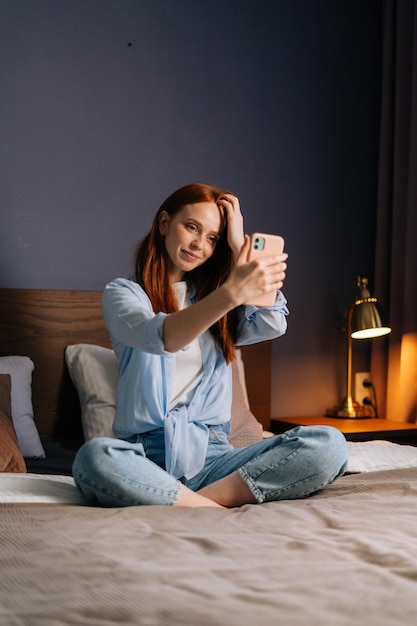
41, 323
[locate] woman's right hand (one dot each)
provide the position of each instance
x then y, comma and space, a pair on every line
246, 282
250, 279
235, 232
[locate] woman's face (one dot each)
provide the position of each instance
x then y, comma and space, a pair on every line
190, 236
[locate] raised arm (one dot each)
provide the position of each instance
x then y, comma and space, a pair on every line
246, 282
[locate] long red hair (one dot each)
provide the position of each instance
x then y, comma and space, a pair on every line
152, 264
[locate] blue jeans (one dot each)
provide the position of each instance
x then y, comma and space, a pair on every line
115, 473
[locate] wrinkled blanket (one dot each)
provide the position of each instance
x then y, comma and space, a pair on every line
347, 555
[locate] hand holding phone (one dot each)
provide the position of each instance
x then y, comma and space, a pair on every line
265, 245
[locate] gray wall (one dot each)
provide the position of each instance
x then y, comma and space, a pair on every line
109, 105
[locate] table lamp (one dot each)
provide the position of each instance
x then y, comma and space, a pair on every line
365, 320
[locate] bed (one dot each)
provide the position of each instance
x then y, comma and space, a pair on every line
347, 555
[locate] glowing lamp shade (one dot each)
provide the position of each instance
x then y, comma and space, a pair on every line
368, 319
365, 320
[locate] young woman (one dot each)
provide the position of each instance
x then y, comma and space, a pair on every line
174, 328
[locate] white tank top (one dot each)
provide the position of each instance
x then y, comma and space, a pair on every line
189, 362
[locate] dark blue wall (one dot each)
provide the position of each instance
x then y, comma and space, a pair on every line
109, 105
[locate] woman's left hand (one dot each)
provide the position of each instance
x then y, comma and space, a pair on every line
235, 233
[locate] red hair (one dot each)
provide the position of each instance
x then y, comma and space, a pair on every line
152, 264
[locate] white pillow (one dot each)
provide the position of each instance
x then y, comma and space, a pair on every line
93, 370
20, 369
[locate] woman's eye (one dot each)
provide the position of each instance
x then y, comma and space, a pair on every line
192, 227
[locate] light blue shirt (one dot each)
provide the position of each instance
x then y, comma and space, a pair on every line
146, 372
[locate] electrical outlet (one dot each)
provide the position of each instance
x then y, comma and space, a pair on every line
362, 392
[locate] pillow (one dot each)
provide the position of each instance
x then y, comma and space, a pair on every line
240, 366
20, 369
244, 427
11, 459
94, 372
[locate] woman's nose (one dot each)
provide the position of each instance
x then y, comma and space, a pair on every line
197, 241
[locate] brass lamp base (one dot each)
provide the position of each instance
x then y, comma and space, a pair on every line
350, 409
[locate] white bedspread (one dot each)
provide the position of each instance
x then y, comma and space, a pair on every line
38, 488
374, 456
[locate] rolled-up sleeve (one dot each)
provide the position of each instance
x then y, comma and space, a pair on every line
128, 315
262, 323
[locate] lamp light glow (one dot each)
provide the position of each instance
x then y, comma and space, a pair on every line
365, 320
370, 333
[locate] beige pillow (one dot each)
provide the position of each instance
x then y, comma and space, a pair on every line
93, 370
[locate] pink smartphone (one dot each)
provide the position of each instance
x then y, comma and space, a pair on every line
265, 245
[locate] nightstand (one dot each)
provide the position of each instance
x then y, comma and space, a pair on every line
353, 429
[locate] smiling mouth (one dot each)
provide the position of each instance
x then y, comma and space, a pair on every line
190, 255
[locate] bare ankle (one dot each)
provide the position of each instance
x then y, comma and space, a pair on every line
190, 498
231, 491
